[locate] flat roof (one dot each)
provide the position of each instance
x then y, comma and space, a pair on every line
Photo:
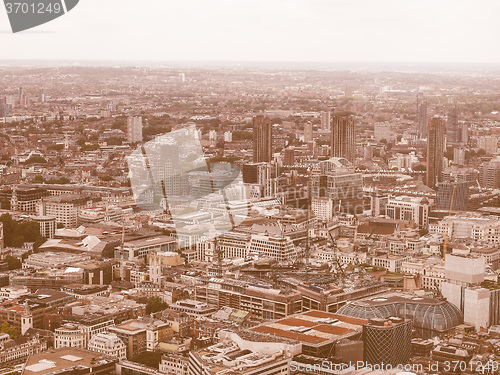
313, 327
60, 359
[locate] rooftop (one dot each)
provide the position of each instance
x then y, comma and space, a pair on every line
313, 327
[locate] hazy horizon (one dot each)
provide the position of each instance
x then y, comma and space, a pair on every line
294, 31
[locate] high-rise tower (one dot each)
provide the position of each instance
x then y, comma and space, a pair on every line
342, 137
435, 150
262, 139
134, 129
421, 117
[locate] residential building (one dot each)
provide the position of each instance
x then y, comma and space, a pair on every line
342, 137
435, 150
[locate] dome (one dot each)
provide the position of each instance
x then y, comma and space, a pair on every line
428, 314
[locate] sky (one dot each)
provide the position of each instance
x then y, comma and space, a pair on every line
464, 31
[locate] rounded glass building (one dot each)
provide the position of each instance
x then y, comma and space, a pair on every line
430, 316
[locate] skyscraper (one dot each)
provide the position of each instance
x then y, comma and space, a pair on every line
134, 129
452, 196
262, 139
325, 121
289, 156
342, 137
308, 132
421, 116
456, 132
435, 150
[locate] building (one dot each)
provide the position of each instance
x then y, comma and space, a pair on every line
264, 303
262, 139
325, 121
139, 249
490, 174
108, 344
452, 196
430, 316
421, 116
336, 180
234, 354
342, 137
174, 364
308, 132
134, 129
435, 150
409, 209
392, 263
64, 208
23, 197
15, 351
304, 328
69, 361
47, 225
466, 288
469, 226
140, 335
387, 340
289, 157
459, 155
456, 132
193, 308
489, 144
69, 336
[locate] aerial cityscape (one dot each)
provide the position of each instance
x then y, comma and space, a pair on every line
231, 187
249, 220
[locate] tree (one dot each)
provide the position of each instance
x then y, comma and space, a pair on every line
8, 329
481, 152
155, 304
38, 179
420, 168
16, 233
13, 262
57, 147
36, 160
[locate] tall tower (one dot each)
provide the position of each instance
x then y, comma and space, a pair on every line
453, 131
342, 137
325, 121
421, 116
435, 150
308, 132
262, 139
134, 129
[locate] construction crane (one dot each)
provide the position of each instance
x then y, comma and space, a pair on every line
445, 234
336, 258
122, 261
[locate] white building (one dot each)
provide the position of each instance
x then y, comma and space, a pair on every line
392, 263
47, 225
108, 344
174, 364
469, 226
323, 208
64, 208
409, 209
69, 335
228, 137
